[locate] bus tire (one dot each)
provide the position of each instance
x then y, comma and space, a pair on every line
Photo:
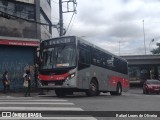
60, 93
118, 90
93, 89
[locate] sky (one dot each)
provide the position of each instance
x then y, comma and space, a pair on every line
114, 25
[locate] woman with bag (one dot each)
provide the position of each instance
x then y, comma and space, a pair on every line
6, 82
27, 83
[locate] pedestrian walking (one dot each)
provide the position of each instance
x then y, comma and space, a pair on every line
27, 83
6, 82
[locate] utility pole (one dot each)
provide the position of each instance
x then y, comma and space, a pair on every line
62, 31
60, 18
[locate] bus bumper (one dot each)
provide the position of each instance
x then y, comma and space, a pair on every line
53, 87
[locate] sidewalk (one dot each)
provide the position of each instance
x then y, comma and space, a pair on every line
21, 94
16, 94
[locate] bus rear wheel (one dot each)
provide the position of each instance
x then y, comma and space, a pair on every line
118, 90
93, 89
60, 93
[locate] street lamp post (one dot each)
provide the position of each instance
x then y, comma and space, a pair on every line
144, 38
119, 42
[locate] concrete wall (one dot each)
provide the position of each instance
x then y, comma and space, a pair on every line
40, 11
45, 16
46, 8
18, 27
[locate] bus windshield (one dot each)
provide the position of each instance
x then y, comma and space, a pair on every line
59, 57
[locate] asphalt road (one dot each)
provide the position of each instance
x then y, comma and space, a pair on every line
133, 100
81, 107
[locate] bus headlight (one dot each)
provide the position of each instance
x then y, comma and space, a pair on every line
70, 76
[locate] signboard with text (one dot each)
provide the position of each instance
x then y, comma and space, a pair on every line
20, 43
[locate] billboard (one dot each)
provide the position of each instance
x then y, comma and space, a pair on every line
26, 1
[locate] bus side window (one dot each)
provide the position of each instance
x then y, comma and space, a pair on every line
84, 56
84, 59
95, 57
110, 61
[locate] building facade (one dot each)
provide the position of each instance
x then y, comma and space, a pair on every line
23, 13
20, 34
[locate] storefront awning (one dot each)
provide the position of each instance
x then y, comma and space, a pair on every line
19, 41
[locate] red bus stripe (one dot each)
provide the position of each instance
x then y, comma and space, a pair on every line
53, 77
113, 80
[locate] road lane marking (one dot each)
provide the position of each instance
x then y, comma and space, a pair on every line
38, 109
32, 100
35, 103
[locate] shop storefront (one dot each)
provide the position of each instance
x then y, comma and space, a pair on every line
16, 55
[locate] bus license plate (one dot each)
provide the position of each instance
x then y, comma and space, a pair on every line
51, 84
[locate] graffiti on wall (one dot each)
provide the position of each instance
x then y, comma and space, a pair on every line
16, 70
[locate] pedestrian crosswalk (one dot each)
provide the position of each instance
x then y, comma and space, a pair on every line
18, 108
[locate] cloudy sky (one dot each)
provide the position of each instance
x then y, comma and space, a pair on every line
114, 25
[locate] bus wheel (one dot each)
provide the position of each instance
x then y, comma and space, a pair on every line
118, 90
60, 93
93, 89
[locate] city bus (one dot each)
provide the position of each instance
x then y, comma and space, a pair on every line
70, 64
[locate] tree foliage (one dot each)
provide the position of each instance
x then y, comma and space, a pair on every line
157, 50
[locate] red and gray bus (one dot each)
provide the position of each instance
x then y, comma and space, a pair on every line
70, 64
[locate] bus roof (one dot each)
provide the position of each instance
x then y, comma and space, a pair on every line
99, 48
90, 44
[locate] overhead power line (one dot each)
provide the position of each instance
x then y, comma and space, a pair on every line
70, 21
72, 25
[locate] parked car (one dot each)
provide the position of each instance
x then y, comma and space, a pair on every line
151, 86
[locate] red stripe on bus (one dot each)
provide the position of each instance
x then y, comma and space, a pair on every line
53, 77
113, 80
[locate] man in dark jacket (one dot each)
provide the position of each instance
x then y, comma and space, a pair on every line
5, 82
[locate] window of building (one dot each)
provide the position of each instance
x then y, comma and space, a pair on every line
31, 15
23, 11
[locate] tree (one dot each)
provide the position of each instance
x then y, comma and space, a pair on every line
157, 50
